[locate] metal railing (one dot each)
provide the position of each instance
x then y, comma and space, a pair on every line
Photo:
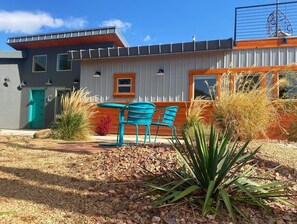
265, 21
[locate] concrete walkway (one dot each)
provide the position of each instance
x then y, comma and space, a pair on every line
109, 138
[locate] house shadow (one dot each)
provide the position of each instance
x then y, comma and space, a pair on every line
70, 194
78, 148
289, 173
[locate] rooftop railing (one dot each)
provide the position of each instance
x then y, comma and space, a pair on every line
266, 21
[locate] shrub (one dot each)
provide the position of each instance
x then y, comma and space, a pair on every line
214, 175
249, 110
75, 121
104, 126
195, 114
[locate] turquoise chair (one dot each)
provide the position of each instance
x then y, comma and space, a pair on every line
166, 119
139, 113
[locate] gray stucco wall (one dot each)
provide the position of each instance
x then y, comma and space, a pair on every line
10, 96
174, 85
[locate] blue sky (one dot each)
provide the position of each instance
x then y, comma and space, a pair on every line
141, 22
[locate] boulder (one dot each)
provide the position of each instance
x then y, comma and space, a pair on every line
46, 133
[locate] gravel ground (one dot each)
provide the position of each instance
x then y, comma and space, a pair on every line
40, 183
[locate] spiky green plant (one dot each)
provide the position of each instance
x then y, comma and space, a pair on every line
75, 122
213, 175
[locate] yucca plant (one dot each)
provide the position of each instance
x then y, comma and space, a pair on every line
214, 174
75, 121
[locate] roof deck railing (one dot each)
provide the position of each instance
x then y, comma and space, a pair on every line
266, 21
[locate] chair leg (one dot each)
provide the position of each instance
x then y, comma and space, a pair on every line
136, 134
149, 133
157, 133
173, 133
145, 133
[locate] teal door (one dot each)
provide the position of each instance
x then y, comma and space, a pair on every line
36, 112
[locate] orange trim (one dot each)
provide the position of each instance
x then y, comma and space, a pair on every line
116, 94
262, 70
265, 43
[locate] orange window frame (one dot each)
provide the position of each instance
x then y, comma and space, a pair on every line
219, 72
117, 94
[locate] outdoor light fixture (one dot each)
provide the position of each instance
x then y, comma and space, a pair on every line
49, 82
75, 81
97, 74
22, 84
160, 71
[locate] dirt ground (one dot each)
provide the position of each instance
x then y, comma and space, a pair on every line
49, 181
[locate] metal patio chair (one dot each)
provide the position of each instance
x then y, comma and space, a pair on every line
139, 113
166, 119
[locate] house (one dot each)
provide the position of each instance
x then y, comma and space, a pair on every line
38, 73
167, 74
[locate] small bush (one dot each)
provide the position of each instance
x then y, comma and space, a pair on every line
194, 114
104, 126
75, 121
249, 111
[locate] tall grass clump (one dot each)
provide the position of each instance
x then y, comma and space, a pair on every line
195, 114
248, 110
216, 175
75, 121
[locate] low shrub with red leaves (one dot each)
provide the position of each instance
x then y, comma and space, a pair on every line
104, 126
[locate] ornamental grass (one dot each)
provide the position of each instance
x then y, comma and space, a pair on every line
75, 121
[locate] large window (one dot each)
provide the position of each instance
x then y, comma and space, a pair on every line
63, 64
205, 86
39, 63
287, 85
124, 85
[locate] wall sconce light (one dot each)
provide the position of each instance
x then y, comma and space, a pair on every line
160, 71
5, 81
97, 74
75, 81
22, 84
49, 82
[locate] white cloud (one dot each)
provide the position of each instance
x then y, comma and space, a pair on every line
123, 26
147, 38
33, 22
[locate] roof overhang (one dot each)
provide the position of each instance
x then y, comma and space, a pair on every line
200, 46
12, 55
78, 37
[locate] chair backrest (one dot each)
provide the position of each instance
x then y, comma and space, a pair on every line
169, 115
140, 112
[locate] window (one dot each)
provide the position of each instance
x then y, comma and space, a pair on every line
287, 85
205, 86
63, 64
248, 82
39, 63
124, 85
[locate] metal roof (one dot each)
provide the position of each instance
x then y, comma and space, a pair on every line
151, 50
75, 37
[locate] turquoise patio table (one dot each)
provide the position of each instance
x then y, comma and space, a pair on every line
121, 118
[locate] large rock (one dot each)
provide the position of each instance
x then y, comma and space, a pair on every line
46, 133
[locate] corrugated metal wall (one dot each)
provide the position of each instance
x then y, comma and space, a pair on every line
174, 85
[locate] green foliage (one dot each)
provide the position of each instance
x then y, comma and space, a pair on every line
213, 175
75, 122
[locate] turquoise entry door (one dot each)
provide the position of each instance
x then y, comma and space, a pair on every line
36, 112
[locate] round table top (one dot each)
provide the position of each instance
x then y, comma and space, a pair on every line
111, 105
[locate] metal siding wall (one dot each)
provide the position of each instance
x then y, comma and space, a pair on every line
173, 86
